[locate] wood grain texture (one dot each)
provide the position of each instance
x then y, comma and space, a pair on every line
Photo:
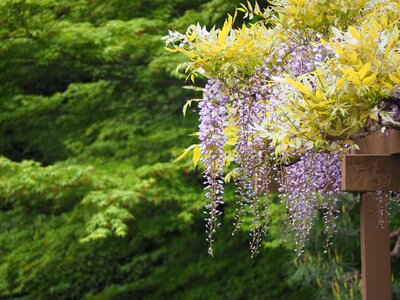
375, 251
380, 143
362, 173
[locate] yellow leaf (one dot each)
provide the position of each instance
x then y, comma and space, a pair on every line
196, 155
374, 117
354, 58
340, 83
225, 31
364, 70
388, 85
186, 151
374, 34
292, 10
319, 95
231, 174
191, 37
338, 49
301, 2
384, 22
394, 78
256, 8
354, 33
190, 54
352, 76
171, 50
369, 80
249, 5
376, 25
299, 86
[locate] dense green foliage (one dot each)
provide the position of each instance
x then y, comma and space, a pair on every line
91, 205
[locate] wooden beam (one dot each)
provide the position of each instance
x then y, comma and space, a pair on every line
379, 143
363, 173
376, 167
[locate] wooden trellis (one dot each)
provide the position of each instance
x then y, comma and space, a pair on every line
375, 167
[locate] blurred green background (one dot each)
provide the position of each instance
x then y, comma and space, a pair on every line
91, 204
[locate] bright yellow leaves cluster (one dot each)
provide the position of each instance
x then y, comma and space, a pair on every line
322, 109
226, 52
318, 15
348, 89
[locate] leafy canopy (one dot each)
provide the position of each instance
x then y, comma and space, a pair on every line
324, 108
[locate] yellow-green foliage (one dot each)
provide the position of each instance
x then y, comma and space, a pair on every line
349, 87
321, 109
226, 52
318, 15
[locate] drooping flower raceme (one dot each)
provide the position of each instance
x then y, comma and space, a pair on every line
213, 120
251, 153
310, 185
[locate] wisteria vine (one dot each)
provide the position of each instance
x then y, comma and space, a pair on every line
303, 183
285, 100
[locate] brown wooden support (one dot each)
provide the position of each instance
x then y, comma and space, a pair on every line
375, 251
363, 173
380, 143
375, 167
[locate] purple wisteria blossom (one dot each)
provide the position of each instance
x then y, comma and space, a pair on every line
251, 156
395, 112
308, 185
213, 120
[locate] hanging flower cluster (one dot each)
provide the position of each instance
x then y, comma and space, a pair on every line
213, 119
315, 177
285, 99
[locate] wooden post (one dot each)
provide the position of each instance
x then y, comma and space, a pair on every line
375, 251
375, 167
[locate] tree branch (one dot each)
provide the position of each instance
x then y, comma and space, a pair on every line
375, 128
391, 124
243, 93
